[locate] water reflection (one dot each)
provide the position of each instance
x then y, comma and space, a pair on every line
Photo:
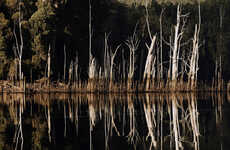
146, 121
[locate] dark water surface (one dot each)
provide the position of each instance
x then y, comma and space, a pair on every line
142, 122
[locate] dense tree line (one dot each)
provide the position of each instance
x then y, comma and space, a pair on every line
63, 26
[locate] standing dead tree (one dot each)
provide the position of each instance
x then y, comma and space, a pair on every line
112, 67
151, 59
161, 45
92, 60
133, 43
193, 64
150, 63
18, 50
49, 65
109, 57
176, 46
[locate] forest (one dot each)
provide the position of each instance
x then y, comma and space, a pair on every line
128, 42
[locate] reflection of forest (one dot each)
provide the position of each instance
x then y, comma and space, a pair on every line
162, 121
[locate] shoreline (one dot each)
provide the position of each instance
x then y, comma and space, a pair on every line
106, 87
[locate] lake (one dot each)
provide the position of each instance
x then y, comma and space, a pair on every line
168, 121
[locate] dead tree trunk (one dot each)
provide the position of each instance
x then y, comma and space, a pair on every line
194, 56
111, 67
132, 43
194, 59
92, 61
161, 46
179, 30
19, 45
175, 47
107, 60
150, 63
76, 68
109, 57
48, 63
70, 73
151, 59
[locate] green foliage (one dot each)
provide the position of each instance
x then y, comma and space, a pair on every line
42, 29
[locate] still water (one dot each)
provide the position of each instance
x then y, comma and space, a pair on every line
189, 121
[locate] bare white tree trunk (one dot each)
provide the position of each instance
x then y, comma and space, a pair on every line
195, 55
175, 47
109, 57
151, 58
161, 46
93, 69
70, 72
107, 60
112, 62
19, 45
49, 64
132, 43
123, 65
150, 62
92, 61
193, 60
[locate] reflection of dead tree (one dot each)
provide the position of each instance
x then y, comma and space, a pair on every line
150, 112
18, 133
217, 103
49, 122
133, 135
175, 120
192, 105
92, 120
161, 109
109, 123
64, 110
112, 114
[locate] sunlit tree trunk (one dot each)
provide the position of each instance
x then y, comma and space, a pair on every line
19, 45
150, 63
194, 59
175, 47
151, 58
111, 67
70, 73
161, 45
49, 64
133, 43
194, 56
